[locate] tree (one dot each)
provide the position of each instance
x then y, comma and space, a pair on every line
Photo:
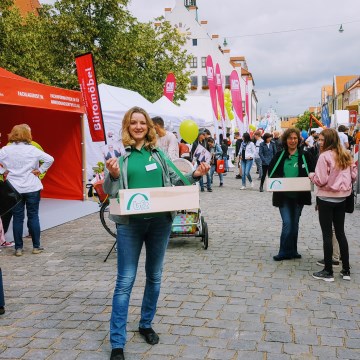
127, 53
303, 122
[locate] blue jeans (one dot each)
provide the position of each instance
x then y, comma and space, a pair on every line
290, 213
221, 175
246, 167
2, 297
32, 201
154, 232
208, 180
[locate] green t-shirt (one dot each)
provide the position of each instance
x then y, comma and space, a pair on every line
291, 169
144, 172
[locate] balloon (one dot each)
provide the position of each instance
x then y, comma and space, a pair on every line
304, 134
189, 131
252, 127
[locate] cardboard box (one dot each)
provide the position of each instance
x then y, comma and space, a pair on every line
151, 200
289, 184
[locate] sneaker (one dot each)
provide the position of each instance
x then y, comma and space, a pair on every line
243, 188
202, 190
237, 177
323, 275
7, 244
335, 263
345, 274
221, 184
38, 250
251, 184
209, 190
18, 252
2, 310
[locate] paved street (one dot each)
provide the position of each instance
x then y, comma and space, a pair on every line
231, 301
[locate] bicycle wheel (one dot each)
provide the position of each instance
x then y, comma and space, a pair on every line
108, 224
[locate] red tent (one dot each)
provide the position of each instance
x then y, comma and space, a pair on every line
55, 118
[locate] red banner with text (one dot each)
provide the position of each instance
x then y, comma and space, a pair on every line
170, 86
89, 89
247, 112
211, 83
237, 100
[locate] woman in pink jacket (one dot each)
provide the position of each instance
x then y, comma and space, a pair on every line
334, 174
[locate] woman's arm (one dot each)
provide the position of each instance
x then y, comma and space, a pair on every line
321, 175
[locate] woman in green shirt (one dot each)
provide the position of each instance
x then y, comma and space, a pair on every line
290, 163
141, 167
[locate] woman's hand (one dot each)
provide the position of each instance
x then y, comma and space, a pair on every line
311, 175
201, 170
113, 167
36, 172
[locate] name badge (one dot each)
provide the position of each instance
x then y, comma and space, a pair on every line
151, 167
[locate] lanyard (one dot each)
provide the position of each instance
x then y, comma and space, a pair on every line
280, 157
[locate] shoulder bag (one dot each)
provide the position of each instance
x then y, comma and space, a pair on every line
9, 197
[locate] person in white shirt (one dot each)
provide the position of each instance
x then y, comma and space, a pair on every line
309, 142
258, 141
344, 140
21, 160
166, 140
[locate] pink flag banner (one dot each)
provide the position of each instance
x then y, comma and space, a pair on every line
247, 104
237, 100
170, 86
220, 97
211, 83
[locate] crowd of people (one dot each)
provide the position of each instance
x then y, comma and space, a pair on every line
322, 158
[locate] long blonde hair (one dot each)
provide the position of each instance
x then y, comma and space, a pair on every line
150, 138
343, 158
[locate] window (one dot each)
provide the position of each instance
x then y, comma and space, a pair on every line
205, 83
194, 41
227, 81
194, 81
193, 62
203, 62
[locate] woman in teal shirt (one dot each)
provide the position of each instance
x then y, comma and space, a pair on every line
141, 167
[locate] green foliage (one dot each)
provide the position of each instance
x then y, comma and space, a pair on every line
127, 53
303, 122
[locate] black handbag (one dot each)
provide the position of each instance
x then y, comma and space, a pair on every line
350, 203
9, 197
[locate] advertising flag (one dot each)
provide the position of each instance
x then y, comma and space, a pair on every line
170, 85
211, 83
325, 118
237, 100
89, 89
247, 104
220, 96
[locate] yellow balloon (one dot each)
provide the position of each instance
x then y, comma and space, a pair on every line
252, 127
189, 131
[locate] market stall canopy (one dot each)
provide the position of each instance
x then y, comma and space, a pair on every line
19, 91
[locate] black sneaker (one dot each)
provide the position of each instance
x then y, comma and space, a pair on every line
209, 190
323, 275
237, 177
345, 274
335, 263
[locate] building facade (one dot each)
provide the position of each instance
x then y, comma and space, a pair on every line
199, 44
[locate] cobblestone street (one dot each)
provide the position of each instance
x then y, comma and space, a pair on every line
231, 301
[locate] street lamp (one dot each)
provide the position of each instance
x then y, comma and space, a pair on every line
341, 30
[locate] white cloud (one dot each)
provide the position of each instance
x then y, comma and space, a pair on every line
291, 65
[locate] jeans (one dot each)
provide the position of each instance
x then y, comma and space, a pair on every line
154, 232
258, 166
246, 167
208, 180
221, 175
330, 214
32, 201
265, 169
290, 212
2, 297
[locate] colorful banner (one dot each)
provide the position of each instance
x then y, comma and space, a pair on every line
89, 89
170, 86
19, 91
220, 97
237, 100
247, 105
211, 83
325, 118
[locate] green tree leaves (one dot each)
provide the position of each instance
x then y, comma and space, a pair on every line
127, 53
